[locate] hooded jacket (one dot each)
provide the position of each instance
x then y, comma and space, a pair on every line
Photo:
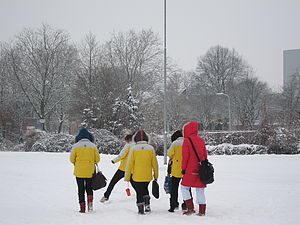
190, 163
84, 155
84, 134
142, 163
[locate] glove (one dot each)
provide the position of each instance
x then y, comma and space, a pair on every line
183, 172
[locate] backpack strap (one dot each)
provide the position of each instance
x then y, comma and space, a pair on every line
194, 150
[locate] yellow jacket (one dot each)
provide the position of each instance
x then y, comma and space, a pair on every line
123, 155
175, 153
84, 155
141, 162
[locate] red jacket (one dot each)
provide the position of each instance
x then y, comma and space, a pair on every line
189, 159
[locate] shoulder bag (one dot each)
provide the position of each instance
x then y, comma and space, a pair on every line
98, 179
206, 168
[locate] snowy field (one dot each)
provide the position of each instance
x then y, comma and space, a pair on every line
39, 188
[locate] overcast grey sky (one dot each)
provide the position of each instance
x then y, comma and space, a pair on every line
258, 29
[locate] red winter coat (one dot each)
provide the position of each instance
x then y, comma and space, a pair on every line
189, 159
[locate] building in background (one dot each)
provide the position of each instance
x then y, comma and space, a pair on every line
291, 64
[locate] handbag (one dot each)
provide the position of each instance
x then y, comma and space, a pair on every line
206, 168
168, 185
155, 189
98, 179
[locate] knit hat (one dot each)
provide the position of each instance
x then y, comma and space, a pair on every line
84, 134
140, 136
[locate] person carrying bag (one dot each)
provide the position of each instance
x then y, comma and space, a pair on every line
174, 173
84, 155
190, 168
141, 168
120, 173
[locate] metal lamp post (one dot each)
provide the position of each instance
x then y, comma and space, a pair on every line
165, 82
229, 108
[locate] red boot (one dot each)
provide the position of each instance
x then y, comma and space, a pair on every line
90, 203
202, 209
190, 207
82, 207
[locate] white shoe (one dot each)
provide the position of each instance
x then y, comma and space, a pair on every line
104, 199
90, 206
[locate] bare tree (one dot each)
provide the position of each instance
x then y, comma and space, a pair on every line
89, 66
201, 107
98, 82
248, 97
87, 76
219, 67
200, 101
4, 92
11, 112
290, 102
177, 112
138, 55
42, 61
176, 99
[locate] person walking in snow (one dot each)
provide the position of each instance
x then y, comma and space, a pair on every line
84, 155
175, 154
190, 168
141, 168
120, 173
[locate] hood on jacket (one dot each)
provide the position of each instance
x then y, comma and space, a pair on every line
84, 134
190, 129
140, 136
176, 135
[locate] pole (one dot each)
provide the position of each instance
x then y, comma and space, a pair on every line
165, 82
229, 108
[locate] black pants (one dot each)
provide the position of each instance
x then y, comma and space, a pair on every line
84, 184
141, 189
118, 176
174, 192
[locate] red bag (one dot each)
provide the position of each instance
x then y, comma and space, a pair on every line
128, 191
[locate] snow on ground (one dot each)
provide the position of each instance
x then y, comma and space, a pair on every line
39, 188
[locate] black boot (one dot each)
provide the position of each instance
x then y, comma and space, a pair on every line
173, 205
141, 207
147, 203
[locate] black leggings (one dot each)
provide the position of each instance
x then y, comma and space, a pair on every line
84, 184
141, 189
174, 192
118, 176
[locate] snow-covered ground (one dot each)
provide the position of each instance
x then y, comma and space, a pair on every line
39, 188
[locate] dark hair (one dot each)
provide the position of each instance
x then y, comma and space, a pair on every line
176, 134
141, 136
128, 137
